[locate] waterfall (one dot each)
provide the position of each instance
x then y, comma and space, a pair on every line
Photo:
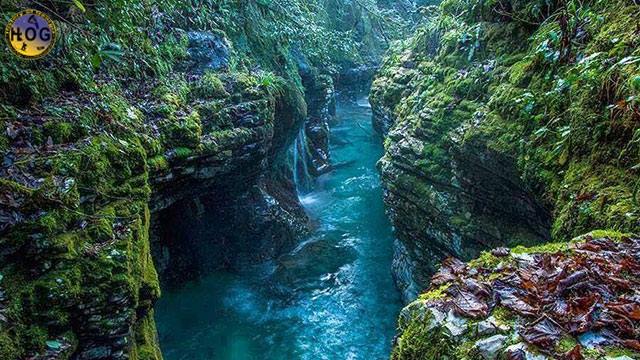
300, 165
296, 182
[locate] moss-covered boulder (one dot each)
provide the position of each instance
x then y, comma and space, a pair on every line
575, 300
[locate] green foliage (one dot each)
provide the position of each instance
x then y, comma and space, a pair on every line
8, 348
210, 86
109, 51
79, 5
553, 87
271, 83
158, 163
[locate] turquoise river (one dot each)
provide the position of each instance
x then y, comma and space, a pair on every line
332, 297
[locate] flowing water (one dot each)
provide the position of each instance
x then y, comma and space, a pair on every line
331, 298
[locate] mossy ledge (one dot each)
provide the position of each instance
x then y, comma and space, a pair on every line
446, 322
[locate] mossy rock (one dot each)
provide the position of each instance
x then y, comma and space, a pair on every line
210, 86
182, 132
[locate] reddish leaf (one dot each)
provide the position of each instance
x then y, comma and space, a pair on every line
632, 344
574, 354
574, 279
447, 273
517, 354
468, 305
629, 309
543, 333
509, 298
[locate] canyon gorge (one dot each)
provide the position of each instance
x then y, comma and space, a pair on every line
323, 179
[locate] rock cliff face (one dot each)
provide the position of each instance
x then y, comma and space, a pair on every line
483, 204
483, 148
321, 103
210, 141
149, 119
236, 204
506, 123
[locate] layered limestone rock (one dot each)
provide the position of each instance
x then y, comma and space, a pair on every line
321, 103
76, 242
83, 174
482, 205
235, 202
490, 125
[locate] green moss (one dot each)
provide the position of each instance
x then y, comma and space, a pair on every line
503, 316
566, 344
591, 353
210, 86
245, 81
158, 163
101, 227
216, 115
182, 132
595, 197
146, 340
419, 341
608, 234
182, 153
486, 260
60, 132
67, 243
8, 348
35, 338
614, 351
548, 248
467, 351
435, 294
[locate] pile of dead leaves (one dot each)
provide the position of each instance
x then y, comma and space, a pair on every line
591, 290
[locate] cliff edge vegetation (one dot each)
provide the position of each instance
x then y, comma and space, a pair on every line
510, 123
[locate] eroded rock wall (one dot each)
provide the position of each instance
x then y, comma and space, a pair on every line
509, 123
143, 111
490, 129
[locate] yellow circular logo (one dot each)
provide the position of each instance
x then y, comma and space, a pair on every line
30, 34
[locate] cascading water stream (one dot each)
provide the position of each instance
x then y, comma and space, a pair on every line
332, 297
300, 159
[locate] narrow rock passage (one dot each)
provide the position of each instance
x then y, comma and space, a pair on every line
332, 297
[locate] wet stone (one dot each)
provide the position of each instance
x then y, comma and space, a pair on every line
208, 51
490, 347
490, 327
